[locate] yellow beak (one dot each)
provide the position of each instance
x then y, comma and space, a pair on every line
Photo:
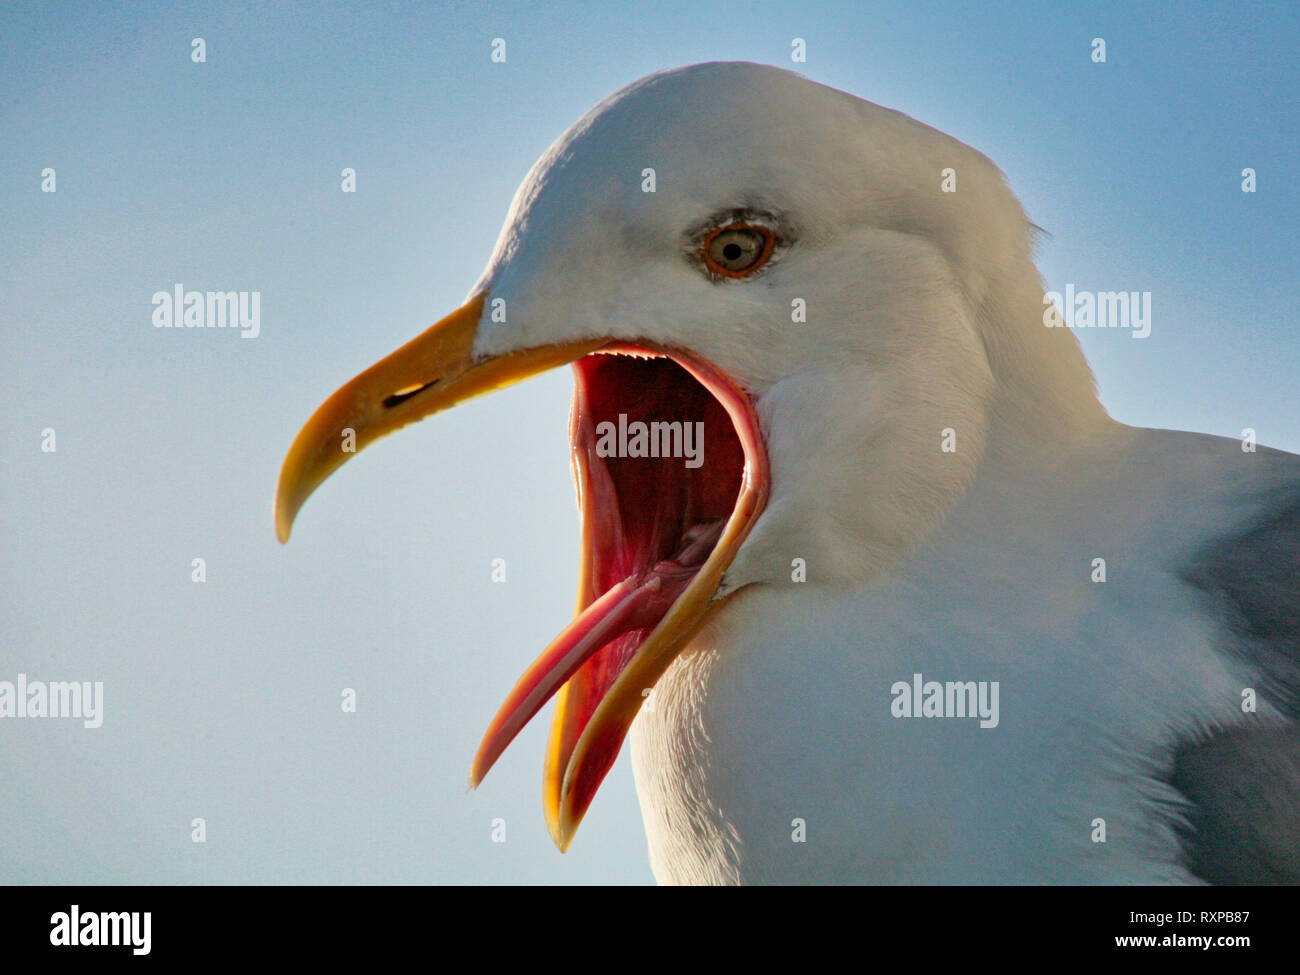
434, 371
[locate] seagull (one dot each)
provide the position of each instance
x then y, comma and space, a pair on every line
872, 583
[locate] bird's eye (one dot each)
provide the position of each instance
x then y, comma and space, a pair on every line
737, 250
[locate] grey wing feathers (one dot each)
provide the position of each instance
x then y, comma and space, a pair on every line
1243, 784
1243, 824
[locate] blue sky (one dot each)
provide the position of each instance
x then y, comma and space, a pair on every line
222, 698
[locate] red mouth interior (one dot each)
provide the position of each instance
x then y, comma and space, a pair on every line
651, 523
653, 520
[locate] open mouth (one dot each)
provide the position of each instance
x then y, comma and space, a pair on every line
670, 477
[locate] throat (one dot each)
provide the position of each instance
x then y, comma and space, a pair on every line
659, 468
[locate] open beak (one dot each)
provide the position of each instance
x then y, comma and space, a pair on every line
635, 612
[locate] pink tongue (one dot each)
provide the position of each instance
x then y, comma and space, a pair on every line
639, 602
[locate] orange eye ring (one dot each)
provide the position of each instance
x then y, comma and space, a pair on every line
737, 250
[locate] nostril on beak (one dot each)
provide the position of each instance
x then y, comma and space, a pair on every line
402, 395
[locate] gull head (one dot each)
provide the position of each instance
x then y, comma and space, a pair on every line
798, 324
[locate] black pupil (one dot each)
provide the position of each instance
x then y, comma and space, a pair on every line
732, 252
